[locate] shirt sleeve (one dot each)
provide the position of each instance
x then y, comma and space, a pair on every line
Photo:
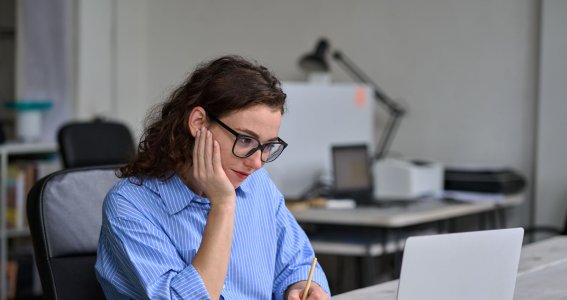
294, 256
149, 266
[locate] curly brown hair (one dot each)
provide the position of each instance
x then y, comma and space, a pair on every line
220, 86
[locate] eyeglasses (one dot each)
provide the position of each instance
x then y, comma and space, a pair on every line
244, 146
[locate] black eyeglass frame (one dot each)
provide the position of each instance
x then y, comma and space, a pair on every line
260, 146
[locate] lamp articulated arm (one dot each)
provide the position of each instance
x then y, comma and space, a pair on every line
394, 109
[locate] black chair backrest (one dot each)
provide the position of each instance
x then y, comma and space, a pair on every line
64, 212
96, 143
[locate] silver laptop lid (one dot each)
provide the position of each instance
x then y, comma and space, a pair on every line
471, 265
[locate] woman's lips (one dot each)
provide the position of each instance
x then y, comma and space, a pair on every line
241, 175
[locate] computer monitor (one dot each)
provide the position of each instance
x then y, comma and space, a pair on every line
351, 170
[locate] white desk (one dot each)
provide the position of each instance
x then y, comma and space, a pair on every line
541, 275
400, 216
388, 225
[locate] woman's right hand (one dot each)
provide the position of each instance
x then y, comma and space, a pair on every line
208, 171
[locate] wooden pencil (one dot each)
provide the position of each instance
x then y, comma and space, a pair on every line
309, 278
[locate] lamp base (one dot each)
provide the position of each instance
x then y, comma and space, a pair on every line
319, 77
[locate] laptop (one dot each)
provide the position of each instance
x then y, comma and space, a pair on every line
471, 265
351, 173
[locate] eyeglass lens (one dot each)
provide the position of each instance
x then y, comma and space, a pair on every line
245, 146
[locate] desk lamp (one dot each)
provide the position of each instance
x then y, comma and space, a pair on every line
393, 179
316, 62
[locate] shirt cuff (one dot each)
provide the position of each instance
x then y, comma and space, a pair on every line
188, 284
301, 274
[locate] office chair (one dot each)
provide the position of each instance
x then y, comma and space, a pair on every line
539, 232
64, 212
95, 143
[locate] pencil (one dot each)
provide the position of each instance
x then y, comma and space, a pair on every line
313, 263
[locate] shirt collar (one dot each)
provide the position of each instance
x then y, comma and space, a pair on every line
245, 186
176, 195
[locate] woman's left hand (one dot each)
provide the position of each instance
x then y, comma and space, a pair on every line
295, 291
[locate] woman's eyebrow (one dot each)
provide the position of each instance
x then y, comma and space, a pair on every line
254, 134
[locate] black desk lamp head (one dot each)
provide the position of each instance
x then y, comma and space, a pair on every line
317, 62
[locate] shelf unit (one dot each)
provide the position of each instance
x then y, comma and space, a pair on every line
7, 151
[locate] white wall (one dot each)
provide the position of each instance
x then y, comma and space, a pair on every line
112, 62
95, 73
466, 69
551, 179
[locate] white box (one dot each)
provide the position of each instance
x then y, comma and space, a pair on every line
318, 117
396, 179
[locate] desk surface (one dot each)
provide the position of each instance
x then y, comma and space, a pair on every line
398, 215
541, 272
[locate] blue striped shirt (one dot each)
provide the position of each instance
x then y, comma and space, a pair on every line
151, 232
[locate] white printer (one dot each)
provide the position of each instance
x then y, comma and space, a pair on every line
397, 179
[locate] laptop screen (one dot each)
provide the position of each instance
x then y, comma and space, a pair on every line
351, 170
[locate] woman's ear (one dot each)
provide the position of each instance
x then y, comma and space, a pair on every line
197, 119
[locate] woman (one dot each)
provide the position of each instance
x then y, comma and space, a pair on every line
196, 216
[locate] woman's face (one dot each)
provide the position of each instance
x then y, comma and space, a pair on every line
260, 122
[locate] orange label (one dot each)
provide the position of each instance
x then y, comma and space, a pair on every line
359, 97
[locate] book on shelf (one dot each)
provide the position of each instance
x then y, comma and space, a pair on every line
24, 282
16, 194
11, 278
21, 177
